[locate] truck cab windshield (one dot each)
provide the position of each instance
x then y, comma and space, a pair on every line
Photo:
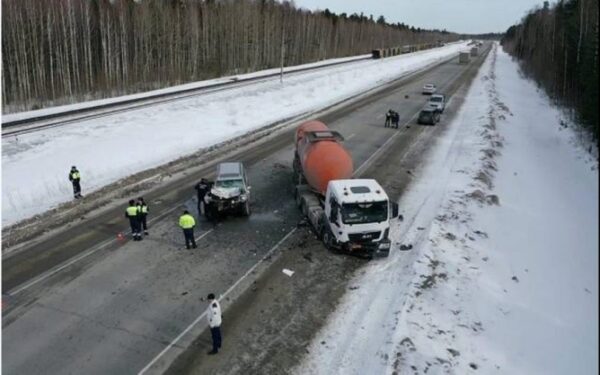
230, 184
362, 213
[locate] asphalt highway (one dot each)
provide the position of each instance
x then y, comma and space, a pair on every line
119, 304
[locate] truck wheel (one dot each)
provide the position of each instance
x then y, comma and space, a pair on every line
328, 239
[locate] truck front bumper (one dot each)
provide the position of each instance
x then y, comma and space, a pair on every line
372, 249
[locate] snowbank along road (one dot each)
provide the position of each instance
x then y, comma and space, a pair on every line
129, 301
28, 122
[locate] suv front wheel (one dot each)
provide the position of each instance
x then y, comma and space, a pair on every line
246, 209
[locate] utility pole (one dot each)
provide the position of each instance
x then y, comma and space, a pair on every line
282, 48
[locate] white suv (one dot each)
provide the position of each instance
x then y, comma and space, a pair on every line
230, 192
438, 101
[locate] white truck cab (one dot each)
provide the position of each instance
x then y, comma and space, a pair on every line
357, 216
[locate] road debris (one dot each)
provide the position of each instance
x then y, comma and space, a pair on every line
288, 272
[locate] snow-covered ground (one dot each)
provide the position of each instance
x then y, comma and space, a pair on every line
172, 89
503, 274
35, 166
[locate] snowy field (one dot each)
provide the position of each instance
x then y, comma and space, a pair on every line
110, 148
503, 274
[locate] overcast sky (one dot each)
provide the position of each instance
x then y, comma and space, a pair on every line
462, 16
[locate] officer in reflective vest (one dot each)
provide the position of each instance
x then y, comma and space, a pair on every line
143, 208
133, 214
75, 177
187, 223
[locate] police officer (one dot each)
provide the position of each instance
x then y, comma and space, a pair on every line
388, 118
133, 214
187, 223
214, 322
202, 188
395, 119
143, 210
75, 178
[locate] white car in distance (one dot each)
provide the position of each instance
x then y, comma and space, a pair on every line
429, 89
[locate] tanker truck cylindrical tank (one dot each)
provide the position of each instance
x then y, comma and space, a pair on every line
322, 160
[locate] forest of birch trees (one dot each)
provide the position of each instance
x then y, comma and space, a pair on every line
558, 46
62, 51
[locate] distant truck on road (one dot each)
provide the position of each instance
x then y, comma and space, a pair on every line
351, 215
463, 57
474, 51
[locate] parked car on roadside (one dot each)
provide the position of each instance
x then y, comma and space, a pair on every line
429, 89
438, 101
429, 115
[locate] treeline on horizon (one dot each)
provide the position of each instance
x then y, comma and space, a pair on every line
558, 46
64, 51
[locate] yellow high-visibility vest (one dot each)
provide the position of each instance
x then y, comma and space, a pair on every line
143, 208
187, 221
75, 175
132, 211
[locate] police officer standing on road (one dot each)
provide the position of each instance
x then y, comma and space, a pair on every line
214, 322
75, 178
187, 223
202, 188
143, 209
395, 119
388, 118
133, 214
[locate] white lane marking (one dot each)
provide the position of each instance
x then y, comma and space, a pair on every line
204, 234
55, 270
203, 315
350, 136
380, 149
